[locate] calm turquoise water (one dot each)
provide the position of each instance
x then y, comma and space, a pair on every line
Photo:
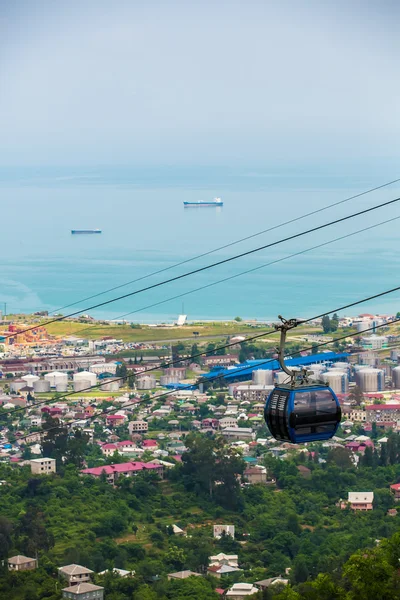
146, 228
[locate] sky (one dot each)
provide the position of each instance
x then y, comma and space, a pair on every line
199, 83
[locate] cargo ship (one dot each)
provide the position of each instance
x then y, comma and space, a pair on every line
85, 231
214, 202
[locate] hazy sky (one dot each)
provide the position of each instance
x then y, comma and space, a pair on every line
198, 82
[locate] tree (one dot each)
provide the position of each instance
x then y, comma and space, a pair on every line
5, 537
193, 354
370, 576
356, 396
341, 457
54, 443
367, 460
334, 322
33, 532
238, 319
326, 324
121, 371
300, 569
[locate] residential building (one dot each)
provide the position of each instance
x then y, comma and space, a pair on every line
256, 474
128, 469
42, 466
219, 530
223, 360
239, 591
220, 571
395, 488
22, 563
228, 422
124, 447
210, 423
252, 392
382, 413
75, 574
358, 501
238, 433
137, 427
84, 591
266, 583
183, 575
223, 559
115, 420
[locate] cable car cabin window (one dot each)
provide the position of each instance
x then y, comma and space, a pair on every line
314, 412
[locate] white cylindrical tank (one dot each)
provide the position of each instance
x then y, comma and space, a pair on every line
337, 380
81, 384
30, 379
370, 380
166, 379
110, 385
86, 376
17, 385
341, 365
56, 377
281, 377
146, 382
396, 377
363, 326
41, 386
61, 387
263, 377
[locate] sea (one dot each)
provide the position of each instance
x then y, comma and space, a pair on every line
147, 232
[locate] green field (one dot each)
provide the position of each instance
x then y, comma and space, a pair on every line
150, 334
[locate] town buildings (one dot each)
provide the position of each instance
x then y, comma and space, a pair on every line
42, 466
22, 563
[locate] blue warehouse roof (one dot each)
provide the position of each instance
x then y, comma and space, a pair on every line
244, 370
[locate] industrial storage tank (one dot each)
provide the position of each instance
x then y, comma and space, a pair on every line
263, 377
30, 379
370, 380
146, 382
337, 380
87, 376
81, 384
17, 385
344, 366
363, 326
281, 377
396, 378
41, 386
56, 377
110, 385
61, 387
166, 379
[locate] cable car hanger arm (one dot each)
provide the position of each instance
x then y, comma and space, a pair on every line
284, 327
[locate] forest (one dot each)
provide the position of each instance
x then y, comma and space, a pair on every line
293, 524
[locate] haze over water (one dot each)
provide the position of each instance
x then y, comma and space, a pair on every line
145, 228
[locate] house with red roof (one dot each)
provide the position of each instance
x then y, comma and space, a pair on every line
128, 469
150, 444
395, 488
115, 420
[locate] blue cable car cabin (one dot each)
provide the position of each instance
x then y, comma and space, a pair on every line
300, 412
307, 413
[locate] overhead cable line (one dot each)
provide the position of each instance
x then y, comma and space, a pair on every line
218, 376
212, 265
230, 244
208, 285
258, 336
